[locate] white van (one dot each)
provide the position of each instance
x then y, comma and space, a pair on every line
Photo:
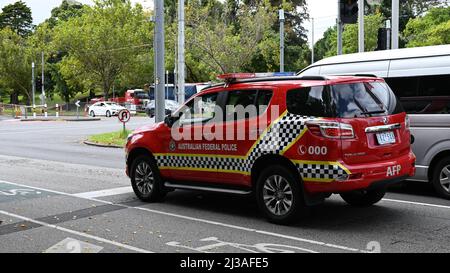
420, 77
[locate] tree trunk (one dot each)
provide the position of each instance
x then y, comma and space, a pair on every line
14, 98
106, 90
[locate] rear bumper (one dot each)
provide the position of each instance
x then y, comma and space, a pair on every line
368, 176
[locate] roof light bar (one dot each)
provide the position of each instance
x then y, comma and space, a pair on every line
230, 77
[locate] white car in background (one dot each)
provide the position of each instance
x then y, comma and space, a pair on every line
103, 108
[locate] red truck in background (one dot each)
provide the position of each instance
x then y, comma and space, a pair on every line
136, 99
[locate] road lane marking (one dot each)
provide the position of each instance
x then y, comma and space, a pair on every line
104, 193
74, 232
262, 232
416, 203
70, 245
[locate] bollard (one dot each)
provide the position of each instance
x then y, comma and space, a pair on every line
34, 111
57, 110
45, 111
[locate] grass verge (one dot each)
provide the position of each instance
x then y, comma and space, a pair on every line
118, 138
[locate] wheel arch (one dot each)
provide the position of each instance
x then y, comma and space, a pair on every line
272, 159
438, 157
136, 152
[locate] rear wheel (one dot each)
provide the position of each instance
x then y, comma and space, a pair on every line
441, 178
363, 198
146, 180
108, 114
279, 195
92, 114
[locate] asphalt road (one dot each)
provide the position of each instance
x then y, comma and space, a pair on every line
59, 195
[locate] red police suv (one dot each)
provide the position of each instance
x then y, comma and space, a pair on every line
292, 141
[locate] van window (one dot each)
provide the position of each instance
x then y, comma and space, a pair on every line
423, 95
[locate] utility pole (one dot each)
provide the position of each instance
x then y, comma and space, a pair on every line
43, 102
33, 89
312, 40
395, 23
281, 40
181, 58
33, 84
340, 29
159, 60
361, 25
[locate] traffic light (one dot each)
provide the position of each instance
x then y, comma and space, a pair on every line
349, 11
383, 38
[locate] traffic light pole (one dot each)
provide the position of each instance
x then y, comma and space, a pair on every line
395, 23
159, 61
281, 14
340, 29
361, 25
181, 53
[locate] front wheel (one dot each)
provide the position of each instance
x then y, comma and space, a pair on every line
92, 114
146, 180
441, 178
363, 198
108, 114
279, 195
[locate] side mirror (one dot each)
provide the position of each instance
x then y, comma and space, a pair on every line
169, 120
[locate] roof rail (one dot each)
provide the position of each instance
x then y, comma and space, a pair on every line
359, 75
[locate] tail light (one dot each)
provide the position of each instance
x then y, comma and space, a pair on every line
331, 129
407, 122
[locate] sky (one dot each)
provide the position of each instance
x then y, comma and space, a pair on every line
324, 12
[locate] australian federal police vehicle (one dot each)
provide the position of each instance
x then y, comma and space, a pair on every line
292, 141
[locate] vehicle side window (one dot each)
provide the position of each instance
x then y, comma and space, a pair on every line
249, 101
309, 101
199, 110
424, 94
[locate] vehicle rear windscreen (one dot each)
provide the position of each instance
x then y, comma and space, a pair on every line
365, 99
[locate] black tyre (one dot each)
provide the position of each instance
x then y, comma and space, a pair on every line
92, 114
279, 195
108, 114
363, 198
441, 177
146, 180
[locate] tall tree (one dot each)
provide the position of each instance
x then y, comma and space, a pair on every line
431, 29
65, 11
18, 17
108, 38
15, 67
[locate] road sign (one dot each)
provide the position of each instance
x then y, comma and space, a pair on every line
77, 103
124, 116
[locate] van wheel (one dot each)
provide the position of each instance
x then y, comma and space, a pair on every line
441, 177
279, 195
363, 198
146, 180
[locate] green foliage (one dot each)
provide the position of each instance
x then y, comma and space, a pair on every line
15, 66
109, 38
431, 29
327, 46
18, 17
